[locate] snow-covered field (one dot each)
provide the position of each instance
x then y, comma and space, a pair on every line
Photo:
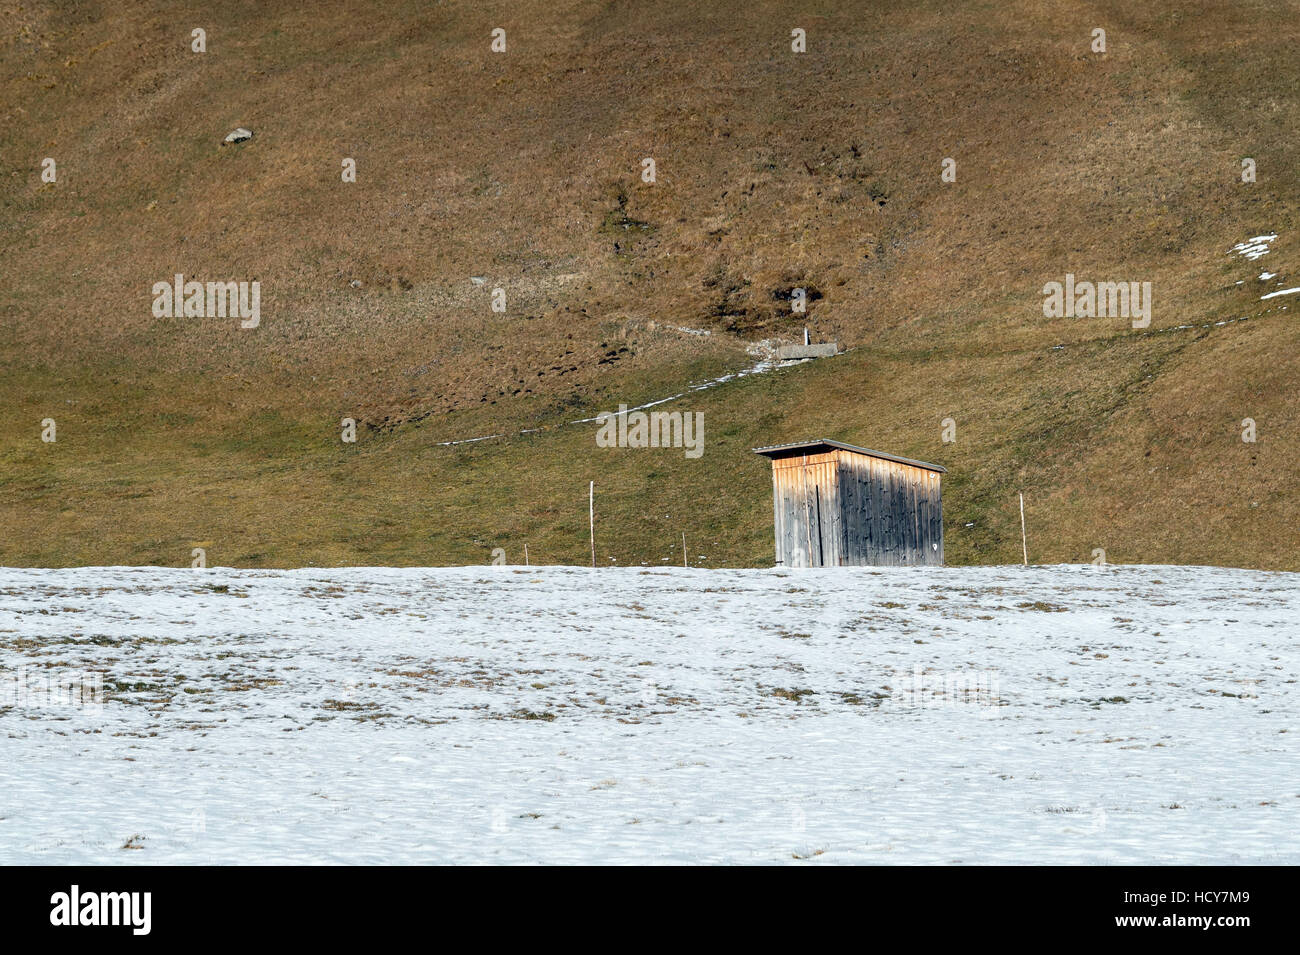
1083, 715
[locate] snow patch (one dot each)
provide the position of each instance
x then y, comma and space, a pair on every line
1255, 247
1131, 715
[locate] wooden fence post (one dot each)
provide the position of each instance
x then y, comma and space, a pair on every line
1024, 542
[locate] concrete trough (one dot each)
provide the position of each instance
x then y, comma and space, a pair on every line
791, 352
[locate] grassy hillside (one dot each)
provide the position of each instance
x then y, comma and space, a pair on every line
775, 170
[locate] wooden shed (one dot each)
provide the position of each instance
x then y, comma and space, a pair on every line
838, 505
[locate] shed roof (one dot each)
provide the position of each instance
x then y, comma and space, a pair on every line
807, 447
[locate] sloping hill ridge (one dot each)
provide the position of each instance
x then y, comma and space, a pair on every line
522, 171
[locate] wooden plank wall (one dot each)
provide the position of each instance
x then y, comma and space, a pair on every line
893, 513
807, 511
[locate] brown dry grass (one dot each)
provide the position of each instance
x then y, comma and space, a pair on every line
775, 170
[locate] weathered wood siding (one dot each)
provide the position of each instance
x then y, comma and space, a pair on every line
842, 508
807, 511
893, 514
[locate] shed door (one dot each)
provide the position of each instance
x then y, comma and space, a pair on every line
811, 548
818, 526
806, 499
